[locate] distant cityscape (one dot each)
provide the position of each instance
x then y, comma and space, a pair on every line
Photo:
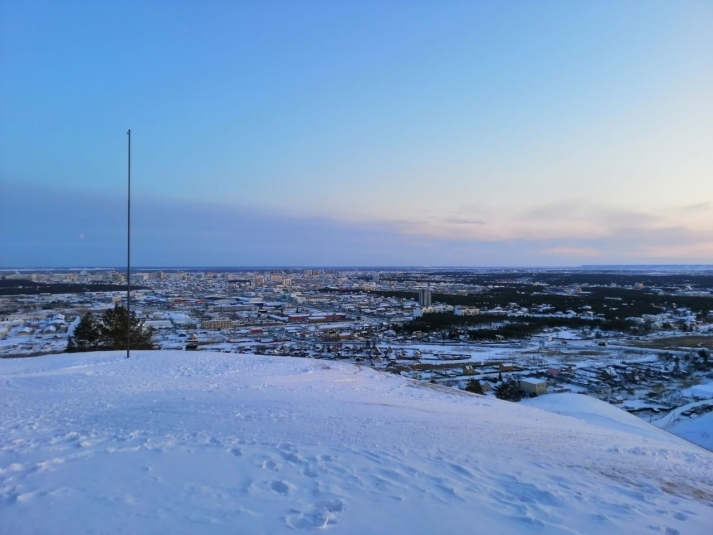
639, 339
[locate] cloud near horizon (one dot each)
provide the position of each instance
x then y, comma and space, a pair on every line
52, 227
582, 228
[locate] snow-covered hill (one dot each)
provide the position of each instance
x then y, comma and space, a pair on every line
184, 442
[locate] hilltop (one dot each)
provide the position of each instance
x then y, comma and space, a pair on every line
184, 442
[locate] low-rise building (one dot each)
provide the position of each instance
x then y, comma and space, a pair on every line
531, 385
217, 324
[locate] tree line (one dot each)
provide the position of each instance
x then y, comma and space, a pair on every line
492, 327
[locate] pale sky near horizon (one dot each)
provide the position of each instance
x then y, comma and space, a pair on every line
357, 133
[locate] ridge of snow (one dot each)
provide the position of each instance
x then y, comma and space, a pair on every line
185, 442
593, 411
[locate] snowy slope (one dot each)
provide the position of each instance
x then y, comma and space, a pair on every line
698, 430
184, 442
591, 410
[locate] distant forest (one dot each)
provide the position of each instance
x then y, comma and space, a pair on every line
27, 287
667, 281
609, 305
492, 327
612, 303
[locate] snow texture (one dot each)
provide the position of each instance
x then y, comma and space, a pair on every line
186, 442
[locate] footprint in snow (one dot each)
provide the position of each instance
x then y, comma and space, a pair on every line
270, 465
319, 516
308, 472
280, 487
291, 457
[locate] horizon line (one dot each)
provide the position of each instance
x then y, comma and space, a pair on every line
364, 267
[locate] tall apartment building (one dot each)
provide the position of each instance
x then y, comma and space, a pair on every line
424, 297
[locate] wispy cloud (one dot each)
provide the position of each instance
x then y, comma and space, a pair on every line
575, 252
580, 228
578, 219
697, 207
463, 221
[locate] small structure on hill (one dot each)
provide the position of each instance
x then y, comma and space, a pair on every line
531, 385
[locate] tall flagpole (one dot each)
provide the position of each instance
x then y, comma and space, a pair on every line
128, 260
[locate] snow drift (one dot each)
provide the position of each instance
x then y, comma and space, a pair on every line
184, 442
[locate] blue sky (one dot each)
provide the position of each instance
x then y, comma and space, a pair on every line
357, 133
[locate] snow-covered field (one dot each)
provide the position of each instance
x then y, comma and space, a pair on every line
185, 442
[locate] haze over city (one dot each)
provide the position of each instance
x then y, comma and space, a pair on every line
363, 133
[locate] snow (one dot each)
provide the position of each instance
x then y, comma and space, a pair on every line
598, 413
197, 442
695, 428
704, 390
566, 334
698, 430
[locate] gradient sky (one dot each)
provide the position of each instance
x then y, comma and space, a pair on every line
357, 133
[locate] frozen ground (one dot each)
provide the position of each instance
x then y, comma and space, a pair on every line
184, 442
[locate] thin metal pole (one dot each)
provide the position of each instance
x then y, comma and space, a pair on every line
128, 260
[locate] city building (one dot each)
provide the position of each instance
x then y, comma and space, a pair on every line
424, 297
217, 324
